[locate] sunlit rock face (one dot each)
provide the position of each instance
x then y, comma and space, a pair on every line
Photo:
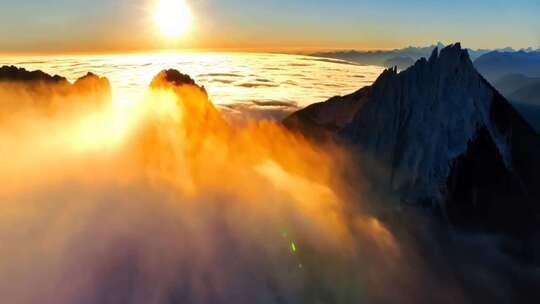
179, 119
22, 90
188, 109
94, 84
192, 98
172, 77
439, 133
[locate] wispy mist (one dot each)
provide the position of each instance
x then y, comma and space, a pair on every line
161, 201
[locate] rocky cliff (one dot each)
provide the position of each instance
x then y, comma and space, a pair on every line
438, 132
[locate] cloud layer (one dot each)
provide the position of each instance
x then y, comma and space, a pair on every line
164, 202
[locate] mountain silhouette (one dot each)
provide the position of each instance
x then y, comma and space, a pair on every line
439, 134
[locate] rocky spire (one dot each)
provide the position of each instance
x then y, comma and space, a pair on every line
431, 127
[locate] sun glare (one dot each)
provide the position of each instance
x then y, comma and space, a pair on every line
171, 18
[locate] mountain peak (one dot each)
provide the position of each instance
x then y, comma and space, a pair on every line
439, 132
455, 52
450, 61
171, 77
199, 114
451, 57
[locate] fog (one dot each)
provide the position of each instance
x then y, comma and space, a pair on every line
160, 200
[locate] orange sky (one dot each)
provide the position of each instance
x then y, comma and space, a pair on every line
59, 26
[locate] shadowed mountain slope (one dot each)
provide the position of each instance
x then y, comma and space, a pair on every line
439, 133
495, 65
510, 83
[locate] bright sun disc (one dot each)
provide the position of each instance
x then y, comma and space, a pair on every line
171, 17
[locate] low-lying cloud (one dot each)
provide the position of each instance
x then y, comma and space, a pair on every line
243, 112
162, 201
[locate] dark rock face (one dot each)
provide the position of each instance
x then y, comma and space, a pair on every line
22, 89
441, 133
171, 77
321, 120
531, 113
12, 73
482, 191
87, 83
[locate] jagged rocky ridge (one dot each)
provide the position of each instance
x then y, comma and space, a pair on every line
439, 133
86, 83
200, 114
21, 89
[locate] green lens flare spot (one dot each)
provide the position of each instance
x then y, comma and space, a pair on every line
293, 247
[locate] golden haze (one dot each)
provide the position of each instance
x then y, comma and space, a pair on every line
169, 179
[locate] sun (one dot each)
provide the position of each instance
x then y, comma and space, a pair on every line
171, 18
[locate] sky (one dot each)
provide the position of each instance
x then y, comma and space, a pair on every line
66, 26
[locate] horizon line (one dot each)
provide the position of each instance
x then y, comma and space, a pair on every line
282, 50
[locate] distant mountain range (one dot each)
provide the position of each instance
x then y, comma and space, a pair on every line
402, 58
496, 65
439, 134
517, 76
515, 73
